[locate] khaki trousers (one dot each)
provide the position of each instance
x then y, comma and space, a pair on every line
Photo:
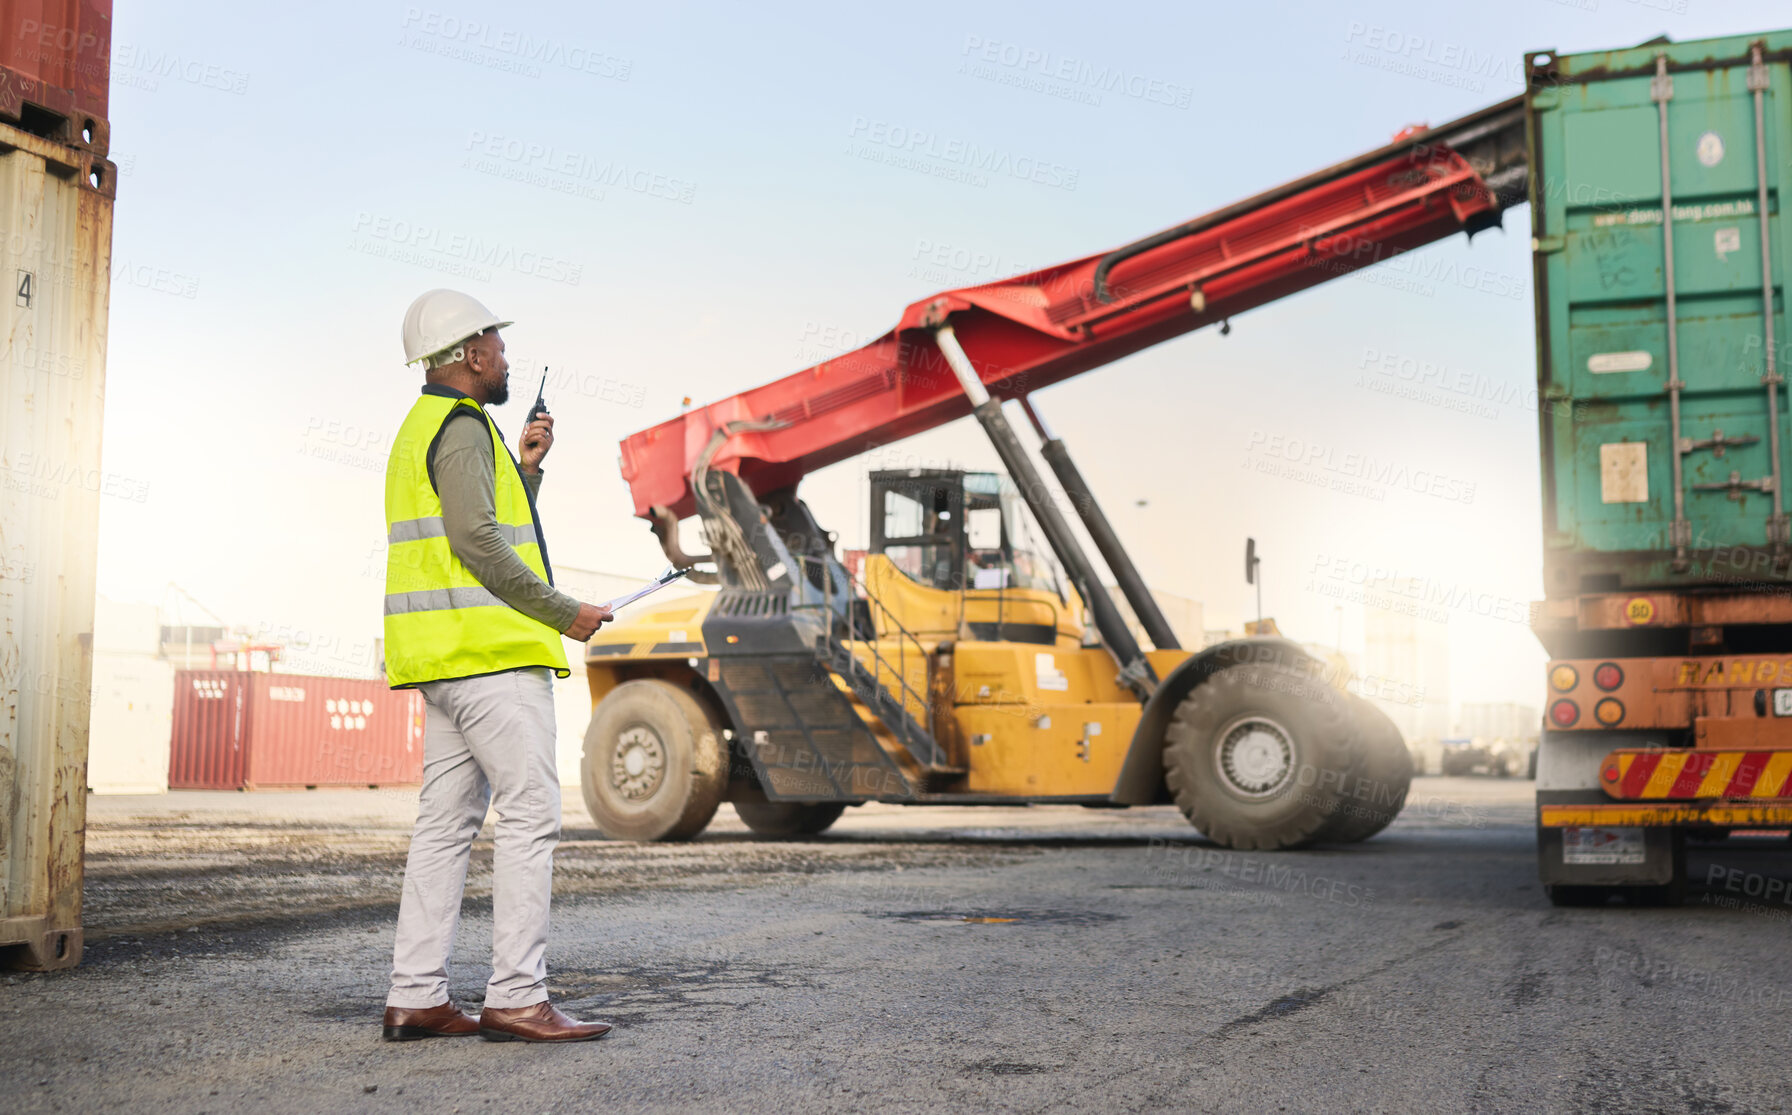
486, 740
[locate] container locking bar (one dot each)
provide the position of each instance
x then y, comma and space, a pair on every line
1661, 91
1135, 669
1770, 378
1735, 485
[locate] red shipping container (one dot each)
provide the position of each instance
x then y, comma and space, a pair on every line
56, 62
210, 711
246, 731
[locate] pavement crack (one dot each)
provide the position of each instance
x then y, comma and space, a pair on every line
1279, 1008
1297, 1001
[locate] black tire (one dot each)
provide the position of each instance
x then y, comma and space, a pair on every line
1295, 724
671, 790
1375, 791
789, 818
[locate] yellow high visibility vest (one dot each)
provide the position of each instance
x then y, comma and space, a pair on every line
441, 622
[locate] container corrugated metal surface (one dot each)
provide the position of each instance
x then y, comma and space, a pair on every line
211, 718
1615, 324
58, 54
56, 261
324, 731
236, 730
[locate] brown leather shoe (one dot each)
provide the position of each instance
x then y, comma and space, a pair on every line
541, 1022
443, 1021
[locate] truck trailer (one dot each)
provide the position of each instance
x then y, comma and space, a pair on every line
1659, 252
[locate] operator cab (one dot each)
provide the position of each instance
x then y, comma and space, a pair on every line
954, 530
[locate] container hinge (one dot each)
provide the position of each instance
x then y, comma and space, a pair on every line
1543, 245
1735, 485
1717, 442
1661, 86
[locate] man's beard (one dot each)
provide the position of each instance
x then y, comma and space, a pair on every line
499, 394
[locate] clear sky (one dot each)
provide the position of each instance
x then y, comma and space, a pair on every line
677, 199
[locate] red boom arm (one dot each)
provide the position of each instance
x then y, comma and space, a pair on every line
1033, 330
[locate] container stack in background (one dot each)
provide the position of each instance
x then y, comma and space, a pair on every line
237, 730
56, 193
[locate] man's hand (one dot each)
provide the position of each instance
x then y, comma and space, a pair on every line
538, 438
590, 618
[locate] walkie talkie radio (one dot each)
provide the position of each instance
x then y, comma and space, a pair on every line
541, 404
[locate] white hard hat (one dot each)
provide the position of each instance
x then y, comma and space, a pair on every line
440, 319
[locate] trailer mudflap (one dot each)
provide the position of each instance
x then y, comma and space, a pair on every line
1609, 854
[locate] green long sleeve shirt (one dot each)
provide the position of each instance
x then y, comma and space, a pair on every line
466, 482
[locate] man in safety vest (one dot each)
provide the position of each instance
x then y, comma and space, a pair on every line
473, 621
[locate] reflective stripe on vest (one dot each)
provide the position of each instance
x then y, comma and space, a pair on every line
430, 526
440, 622
440, 599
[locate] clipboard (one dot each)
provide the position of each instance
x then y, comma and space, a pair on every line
670, 576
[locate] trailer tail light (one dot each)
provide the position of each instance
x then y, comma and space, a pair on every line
1564, 713
1609, 711
1608, 677
1564, 678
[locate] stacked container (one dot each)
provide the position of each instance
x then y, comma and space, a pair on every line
56, 191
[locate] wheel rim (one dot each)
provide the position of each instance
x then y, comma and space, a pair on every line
1255, 757
638, 765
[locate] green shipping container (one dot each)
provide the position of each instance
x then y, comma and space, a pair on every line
1663, 416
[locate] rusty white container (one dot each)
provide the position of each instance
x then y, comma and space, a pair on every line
56, 191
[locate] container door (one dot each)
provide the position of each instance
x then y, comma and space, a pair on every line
209, 746
1624, 340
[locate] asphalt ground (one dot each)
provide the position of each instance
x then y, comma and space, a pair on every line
917, 960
